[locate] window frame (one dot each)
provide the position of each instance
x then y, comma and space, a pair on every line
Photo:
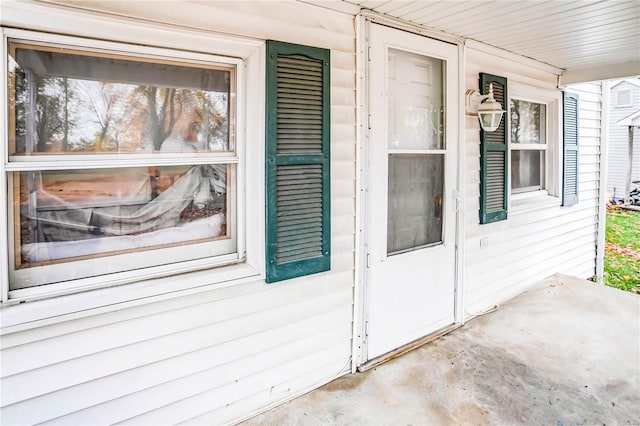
540, 148
551, 175
152, 257
626, 91
247, 259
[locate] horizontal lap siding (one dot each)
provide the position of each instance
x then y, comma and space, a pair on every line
590, 102
218, 356
183, 364
144, 364
539, 238
618, 142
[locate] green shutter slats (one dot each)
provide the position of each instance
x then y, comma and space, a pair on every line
493, 157
293, 81
495, 181
292, 235
298, 228
299, 250
299, 65
303, 194
295, 106
296, 96
497, 137
292, 119
293, 203
571, 151
300, 257
300, 105
571, 172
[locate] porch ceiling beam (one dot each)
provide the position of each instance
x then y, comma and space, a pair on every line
601, 72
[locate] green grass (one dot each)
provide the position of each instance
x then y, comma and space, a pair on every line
623, 228
621, 272
621, 267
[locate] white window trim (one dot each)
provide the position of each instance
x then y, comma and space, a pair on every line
140, 287
550, 194
125, 271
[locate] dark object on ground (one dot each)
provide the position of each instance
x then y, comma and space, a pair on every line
634, 196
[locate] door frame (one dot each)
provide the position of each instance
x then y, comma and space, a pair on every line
363, 23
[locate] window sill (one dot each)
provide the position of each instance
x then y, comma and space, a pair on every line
37, 313
534, 200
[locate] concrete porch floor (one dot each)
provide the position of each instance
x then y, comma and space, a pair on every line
565, 352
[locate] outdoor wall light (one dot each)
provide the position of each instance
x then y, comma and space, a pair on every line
488, 109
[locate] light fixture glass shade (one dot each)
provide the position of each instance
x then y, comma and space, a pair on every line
490, 120
490, 112
488, 109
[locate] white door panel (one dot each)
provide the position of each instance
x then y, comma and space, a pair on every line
411, 180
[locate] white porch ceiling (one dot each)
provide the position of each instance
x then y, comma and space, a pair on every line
591, 40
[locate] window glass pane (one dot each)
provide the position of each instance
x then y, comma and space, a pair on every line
623, 98
527, 122
414, 217
68, 101
416, 101
526, 169
74, 214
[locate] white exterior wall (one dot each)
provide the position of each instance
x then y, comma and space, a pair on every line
618, 141
540, 237
221, 352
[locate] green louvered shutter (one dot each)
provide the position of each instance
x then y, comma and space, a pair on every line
297, 161
570, 133
494, 157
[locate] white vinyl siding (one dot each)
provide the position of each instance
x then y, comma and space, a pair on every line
214, 354
539, 237
135, 362
618, 142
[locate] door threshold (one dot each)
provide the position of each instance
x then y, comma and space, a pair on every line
407, 348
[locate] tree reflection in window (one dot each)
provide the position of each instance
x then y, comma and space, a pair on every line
101, 105
69, 102
527, 122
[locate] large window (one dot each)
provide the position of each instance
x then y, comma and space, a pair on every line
118, 162
528, 145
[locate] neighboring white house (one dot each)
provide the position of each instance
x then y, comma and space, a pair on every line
624, 100
338, 204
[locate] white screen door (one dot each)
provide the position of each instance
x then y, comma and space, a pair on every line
411, 179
